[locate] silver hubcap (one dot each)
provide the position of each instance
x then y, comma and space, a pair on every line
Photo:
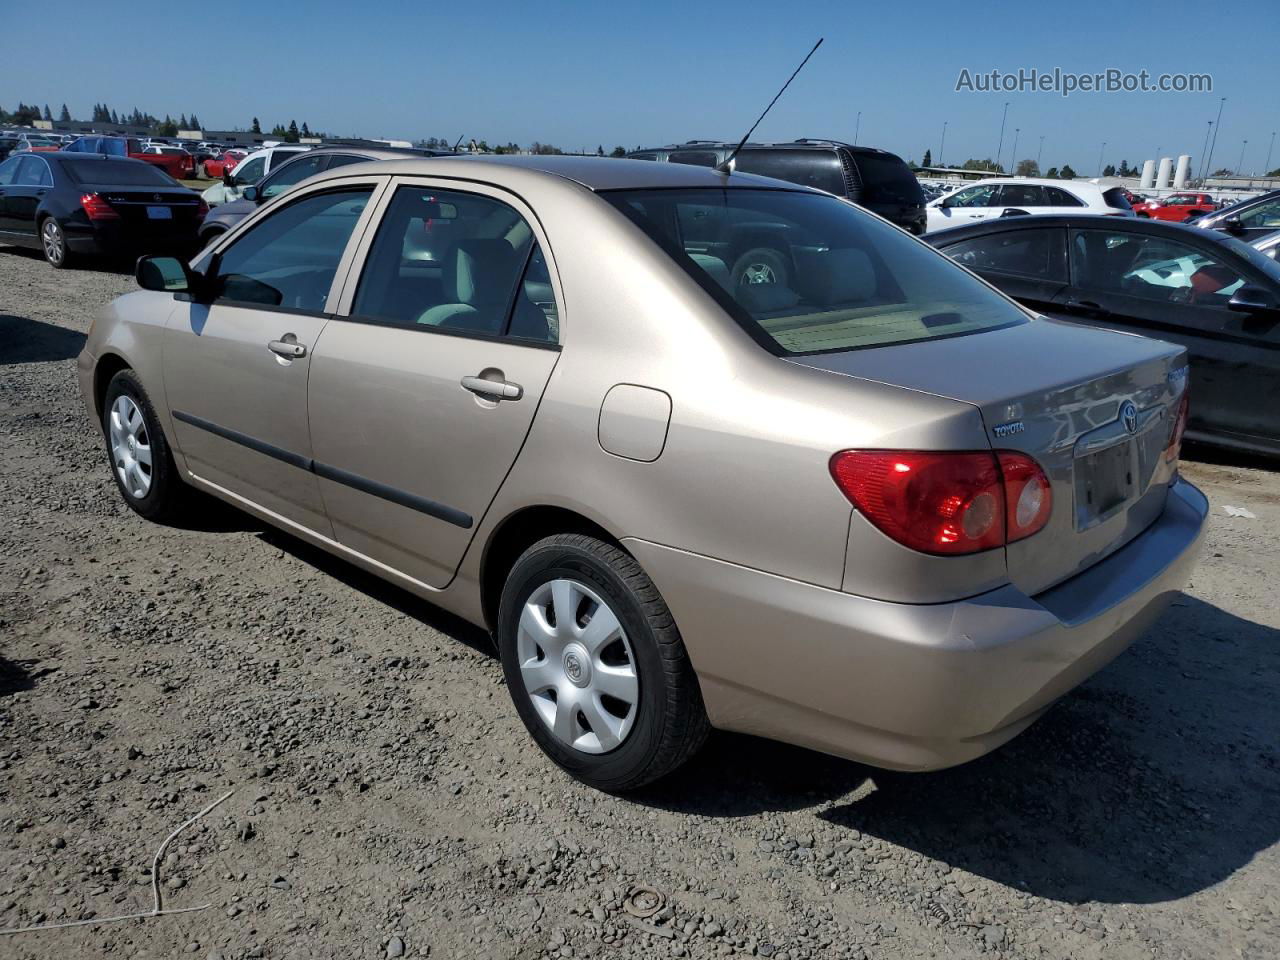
130, 446
758, 273
577, 666
52, 237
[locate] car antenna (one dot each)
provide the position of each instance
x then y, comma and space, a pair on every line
455, 146
726, 166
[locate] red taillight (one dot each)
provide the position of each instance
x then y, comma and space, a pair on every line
202, 209
946, 503
1174, 450
96, 208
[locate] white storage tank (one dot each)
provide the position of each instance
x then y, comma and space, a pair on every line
1180, 175
1148, 175
1163, 176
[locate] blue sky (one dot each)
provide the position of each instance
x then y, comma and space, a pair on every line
581, 74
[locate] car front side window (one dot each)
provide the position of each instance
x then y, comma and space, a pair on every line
1032, 253
1264, 216
249, 171
974, 197
8, 170
1151, 268
289, 260
460, 263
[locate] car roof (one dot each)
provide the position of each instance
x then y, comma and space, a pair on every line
1031, 222
595, 173
802, 144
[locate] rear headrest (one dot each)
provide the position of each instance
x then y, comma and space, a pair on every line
714, 267
480, 272
835, 276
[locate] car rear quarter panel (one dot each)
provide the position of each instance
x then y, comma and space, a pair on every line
744, 473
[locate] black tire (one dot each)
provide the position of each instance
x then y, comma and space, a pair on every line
209, 236
670, 721
168, 497
51, 235
761, 265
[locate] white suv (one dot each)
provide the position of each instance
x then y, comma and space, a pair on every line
249, 171
1015, 196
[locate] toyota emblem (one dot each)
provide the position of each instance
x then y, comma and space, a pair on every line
1129, 416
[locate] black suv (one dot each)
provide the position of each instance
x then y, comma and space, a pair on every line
875, 179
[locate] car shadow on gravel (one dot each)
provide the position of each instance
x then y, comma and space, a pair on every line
1148, 784
16, 676
23, 340
453, 627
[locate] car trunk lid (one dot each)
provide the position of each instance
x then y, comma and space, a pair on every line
1094, 408
157, 208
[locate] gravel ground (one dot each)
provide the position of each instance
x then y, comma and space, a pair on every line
387, 801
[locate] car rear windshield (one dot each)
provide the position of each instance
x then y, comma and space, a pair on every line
1115, 198
806, 273
886, 179
117, 173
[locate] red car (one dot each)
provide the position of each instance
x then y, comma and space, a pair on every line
216, 167
178, 164
1177, 208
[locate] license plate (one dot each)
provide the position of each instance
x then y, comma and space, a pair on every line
159, 213
1105, 481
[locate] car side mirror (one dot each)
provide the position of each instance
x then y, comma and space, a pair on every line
1233, 225
1249, 299
226, 179
163, 274
944, 203
250, 193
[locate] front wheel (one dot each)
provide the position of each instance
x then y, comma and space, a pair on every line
141, 461
53, 243
595, 665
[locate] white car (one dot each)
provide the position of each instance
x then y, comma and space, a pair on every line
249, 171
1014, 196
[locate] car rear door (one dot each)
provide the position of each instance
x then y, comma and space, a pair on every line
236, 367
425, 384
1027, 263
1178, 291
24, 194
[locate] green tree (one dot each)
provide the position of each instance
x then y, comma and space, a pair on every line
167, 128
195, 123
1109, 170
1067, 172
988, 165
65, 115
48, 114
291, 134
618, 152
114, 118
256, 128
600, 150
928, 159
1051, 173
182, 123
1027, 168
306, 132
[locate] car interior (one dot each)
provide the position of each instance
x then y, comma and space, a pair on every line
455, 261
1152, 268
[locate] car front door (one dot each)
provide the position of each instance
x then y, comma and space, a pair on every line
425, 384
1176, 291
236, 366
24, 194
964, 206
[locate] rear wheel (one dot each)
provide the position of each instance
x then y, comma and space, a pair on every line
595, 665
761, 265
141, 461
53, 243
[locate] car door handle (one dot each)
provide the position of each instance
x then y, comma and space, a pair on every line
493, 389
1086, 307
288, 347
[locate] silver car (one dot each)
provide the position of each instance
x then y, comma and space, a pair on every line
858, 500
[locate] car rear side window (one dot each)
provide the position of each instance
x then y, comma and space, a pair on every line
697, 158
1061, 198
8, 170
455, 262
1022, 195
810, 168
885, 178
34, 172
116, 173
1031, 253
289, 259
807, 273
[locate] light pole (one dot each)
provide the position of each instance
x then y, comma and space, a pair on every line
1000, 148
1204, 153
1100, 153
856, 127
944, 141
1013, 156
1217, 126
1040, 152
1240, 165
1267, 169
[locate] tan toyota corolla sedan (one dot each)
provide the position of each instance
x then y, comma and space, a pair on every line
700, 450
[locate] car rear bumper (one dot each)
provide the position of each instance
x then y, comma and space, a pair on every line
119, 239
913, 687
